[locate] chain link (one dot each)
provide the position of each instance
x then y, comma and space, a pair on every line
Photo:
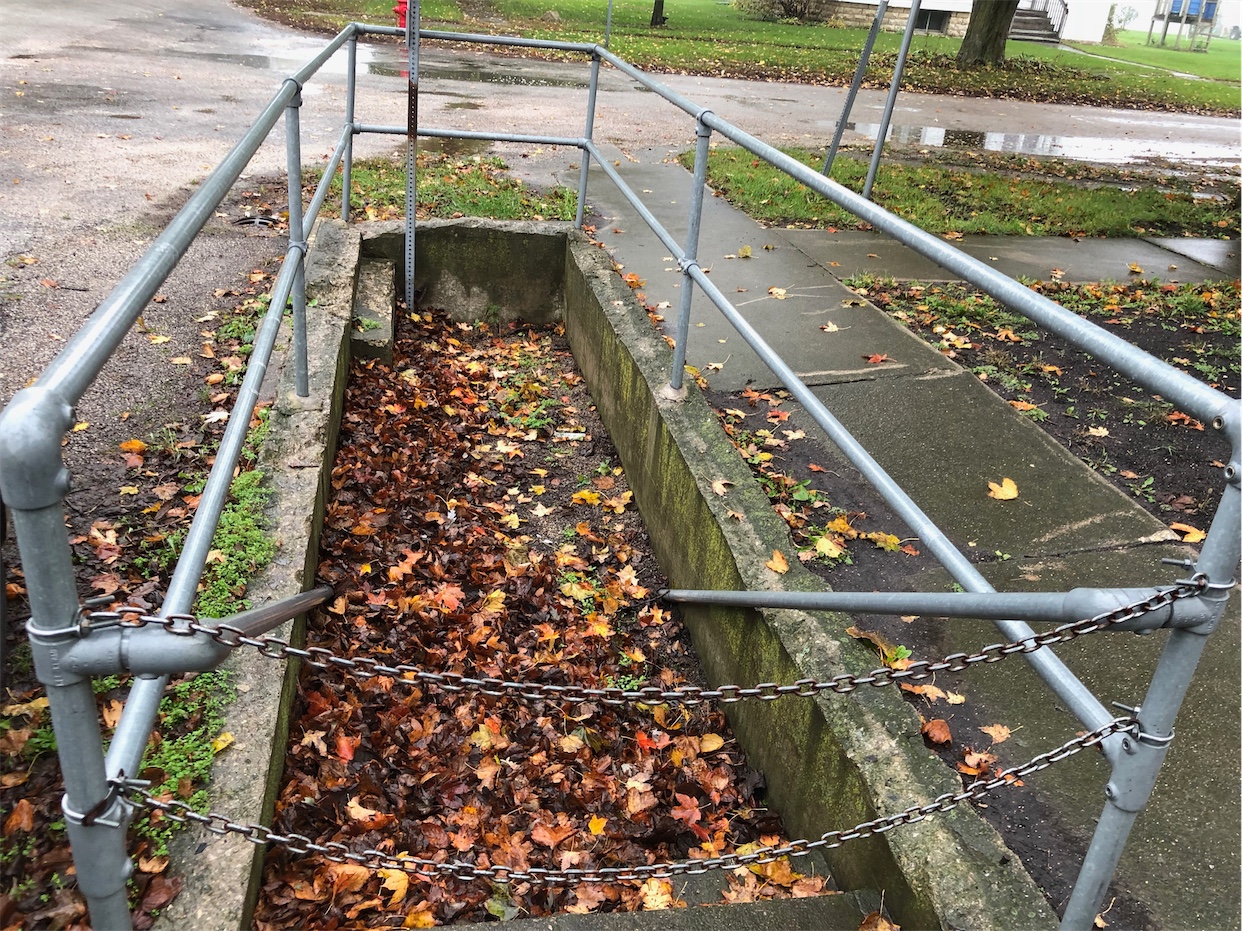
337, 852
368, 666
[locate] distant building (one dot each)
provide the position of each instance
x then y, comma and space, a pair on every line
1036, 20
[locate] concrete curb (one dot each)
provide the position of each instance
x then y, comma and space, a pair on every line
222, 874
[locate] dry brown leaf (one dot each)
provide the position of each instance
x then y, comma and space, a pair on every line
778, 563
937, 731
998, 732
875, 921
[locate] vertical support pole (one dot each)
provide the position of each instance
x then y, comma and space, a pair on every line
411, 146
608, 25
589, 134
892, 98
854, 86
297, 243
1134, 775
99, 855
702, 145
347, 159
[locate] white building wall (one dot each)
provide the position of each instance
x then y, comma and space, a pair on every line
1086, 19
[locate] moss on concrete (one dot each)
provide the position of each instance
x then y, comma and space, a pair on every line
832, 762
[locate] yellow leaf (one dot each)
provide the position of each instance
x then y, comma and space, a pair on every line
181, 360
421, 917
778, 293
1007, 490
359, 812
710, 743
129, 489
597, 825
1193, 534
778, 563
134, 446
541, 510
586, 496
157, 339
826, 548
511, 521
80, 426
1097, 431
221, 742
657, 895
955, 698
744, 252
1135, 268
396, 882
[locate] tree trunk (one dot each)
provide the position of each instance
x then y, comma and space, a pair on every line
657, 13
984, 43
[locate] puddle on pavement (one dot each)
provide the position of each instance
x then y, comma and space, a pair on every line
453, 147
475, 75
463, 105
1082, 148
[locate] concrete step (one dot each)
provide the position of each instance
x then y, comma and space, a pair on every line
841, 912
371, 330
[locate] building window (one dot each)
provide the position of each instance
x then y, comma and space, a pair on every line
932, 21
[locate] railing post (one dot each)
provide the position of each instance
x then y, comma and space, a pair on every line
588, 134
411, 146
898, 69
297, 242
854, 85
347, 161
608, 25
33, 481
703, 133
1135, 771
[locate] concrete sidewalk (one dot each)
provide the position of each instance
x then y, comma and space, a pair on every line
939, 432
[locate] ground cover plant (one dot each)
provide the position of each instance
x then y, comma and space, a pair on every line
1165, 460
126, 539
725, 40
480, 523
963, 200
448, 187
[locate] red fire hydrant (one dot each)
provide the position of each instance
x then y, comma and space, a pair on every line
399, 9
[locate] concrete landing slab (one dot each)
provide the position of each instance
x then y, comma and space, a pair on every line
1221, 254
824, 913
946, 437
858, 252
1182, 860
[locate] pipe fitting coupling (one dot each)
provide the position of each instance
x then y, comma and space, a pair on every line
32, 473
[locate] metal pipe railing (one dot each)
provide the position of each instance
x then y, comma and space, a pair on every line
855, 84
34, 481
891, 101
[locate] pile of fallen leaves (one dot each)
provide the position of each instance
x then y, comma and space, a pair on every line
478, 524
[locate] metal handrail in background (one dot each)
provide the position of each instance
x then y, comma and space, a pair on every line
33, 480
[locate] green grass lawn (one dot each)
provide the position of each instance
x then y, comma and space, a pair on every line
947, 200
711, 37
1221, 61
448, 187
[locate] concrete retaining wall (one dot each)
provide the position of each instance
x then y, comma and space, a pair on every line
830, 763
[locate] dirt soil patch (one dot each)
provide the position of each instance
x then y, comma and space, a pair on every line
480, 524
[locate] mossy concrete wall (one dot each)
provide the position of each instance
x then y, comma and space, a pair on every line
480, 269
830, 762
